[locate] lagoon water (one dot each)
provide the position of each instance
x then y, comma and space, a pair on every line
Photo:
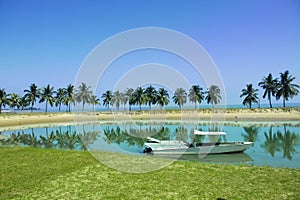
275, 144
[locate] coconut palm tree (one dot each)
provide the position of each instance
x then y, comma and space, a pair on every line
60, 97
106, 98
117, 99
70, 96
196, 94
286, 89
46, 95
180, 97
139, 97
32, 94
270, 86
151, 95
3, 99
128, 96
23, 102
14, 100
213, 95
250, 95
84, 94
94, 101
124, 100
162, 97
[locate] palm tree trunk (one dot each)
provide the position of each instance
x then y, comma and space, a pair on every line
195, 105
140, 107
283, 102
0, 108
270, 103
46, 105
129, 107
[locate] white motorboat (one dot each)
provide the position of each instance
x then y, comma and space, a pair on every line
210, 146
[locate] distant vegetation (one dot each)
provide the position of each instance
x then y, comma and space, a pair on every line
280, 88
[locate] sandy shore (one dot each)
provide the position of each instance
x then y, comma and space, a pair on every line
11, 119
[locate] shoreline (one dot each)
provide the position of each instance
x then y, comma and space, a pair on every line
236, 116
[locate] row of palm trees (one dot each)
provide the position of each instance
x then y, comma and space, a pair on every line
83, 94
62, 96
282, 87
150, 96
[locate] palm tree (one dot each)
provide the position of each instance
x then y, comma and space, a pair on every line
151, 95
60, 97
213, 95
47, 95
179, 97
94, 101
70, 96
106, 97
128, 96
286, 89
84, 94
3, 99
162, 97
269, 85
139, 97
250, 95
124, 100
117, 99
32, 94
23, 102
14, 100
196, 94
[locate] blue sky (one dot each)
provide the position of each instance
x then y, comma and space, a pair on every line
47, 41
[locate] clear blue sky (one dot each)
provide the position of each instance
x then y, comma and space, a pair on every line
46, 41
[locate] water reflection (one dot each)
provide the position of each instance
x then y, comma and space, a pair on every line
274, 145
134, 136
285, 142
251, 133
55, 139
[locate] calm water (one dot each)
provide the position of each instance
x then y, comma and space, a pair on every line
276, 145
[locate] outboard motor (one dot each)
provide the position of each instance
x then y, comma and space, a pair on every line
147, 150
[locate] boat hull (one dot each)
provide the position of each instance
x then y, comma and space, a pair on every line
180, 148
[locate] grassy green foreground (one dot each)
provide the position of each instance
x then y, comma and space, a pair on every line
31, 173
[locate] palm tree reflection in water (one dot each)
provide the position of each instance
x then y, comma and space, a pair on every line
281, 142
278, 141
56, 139
251, 133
